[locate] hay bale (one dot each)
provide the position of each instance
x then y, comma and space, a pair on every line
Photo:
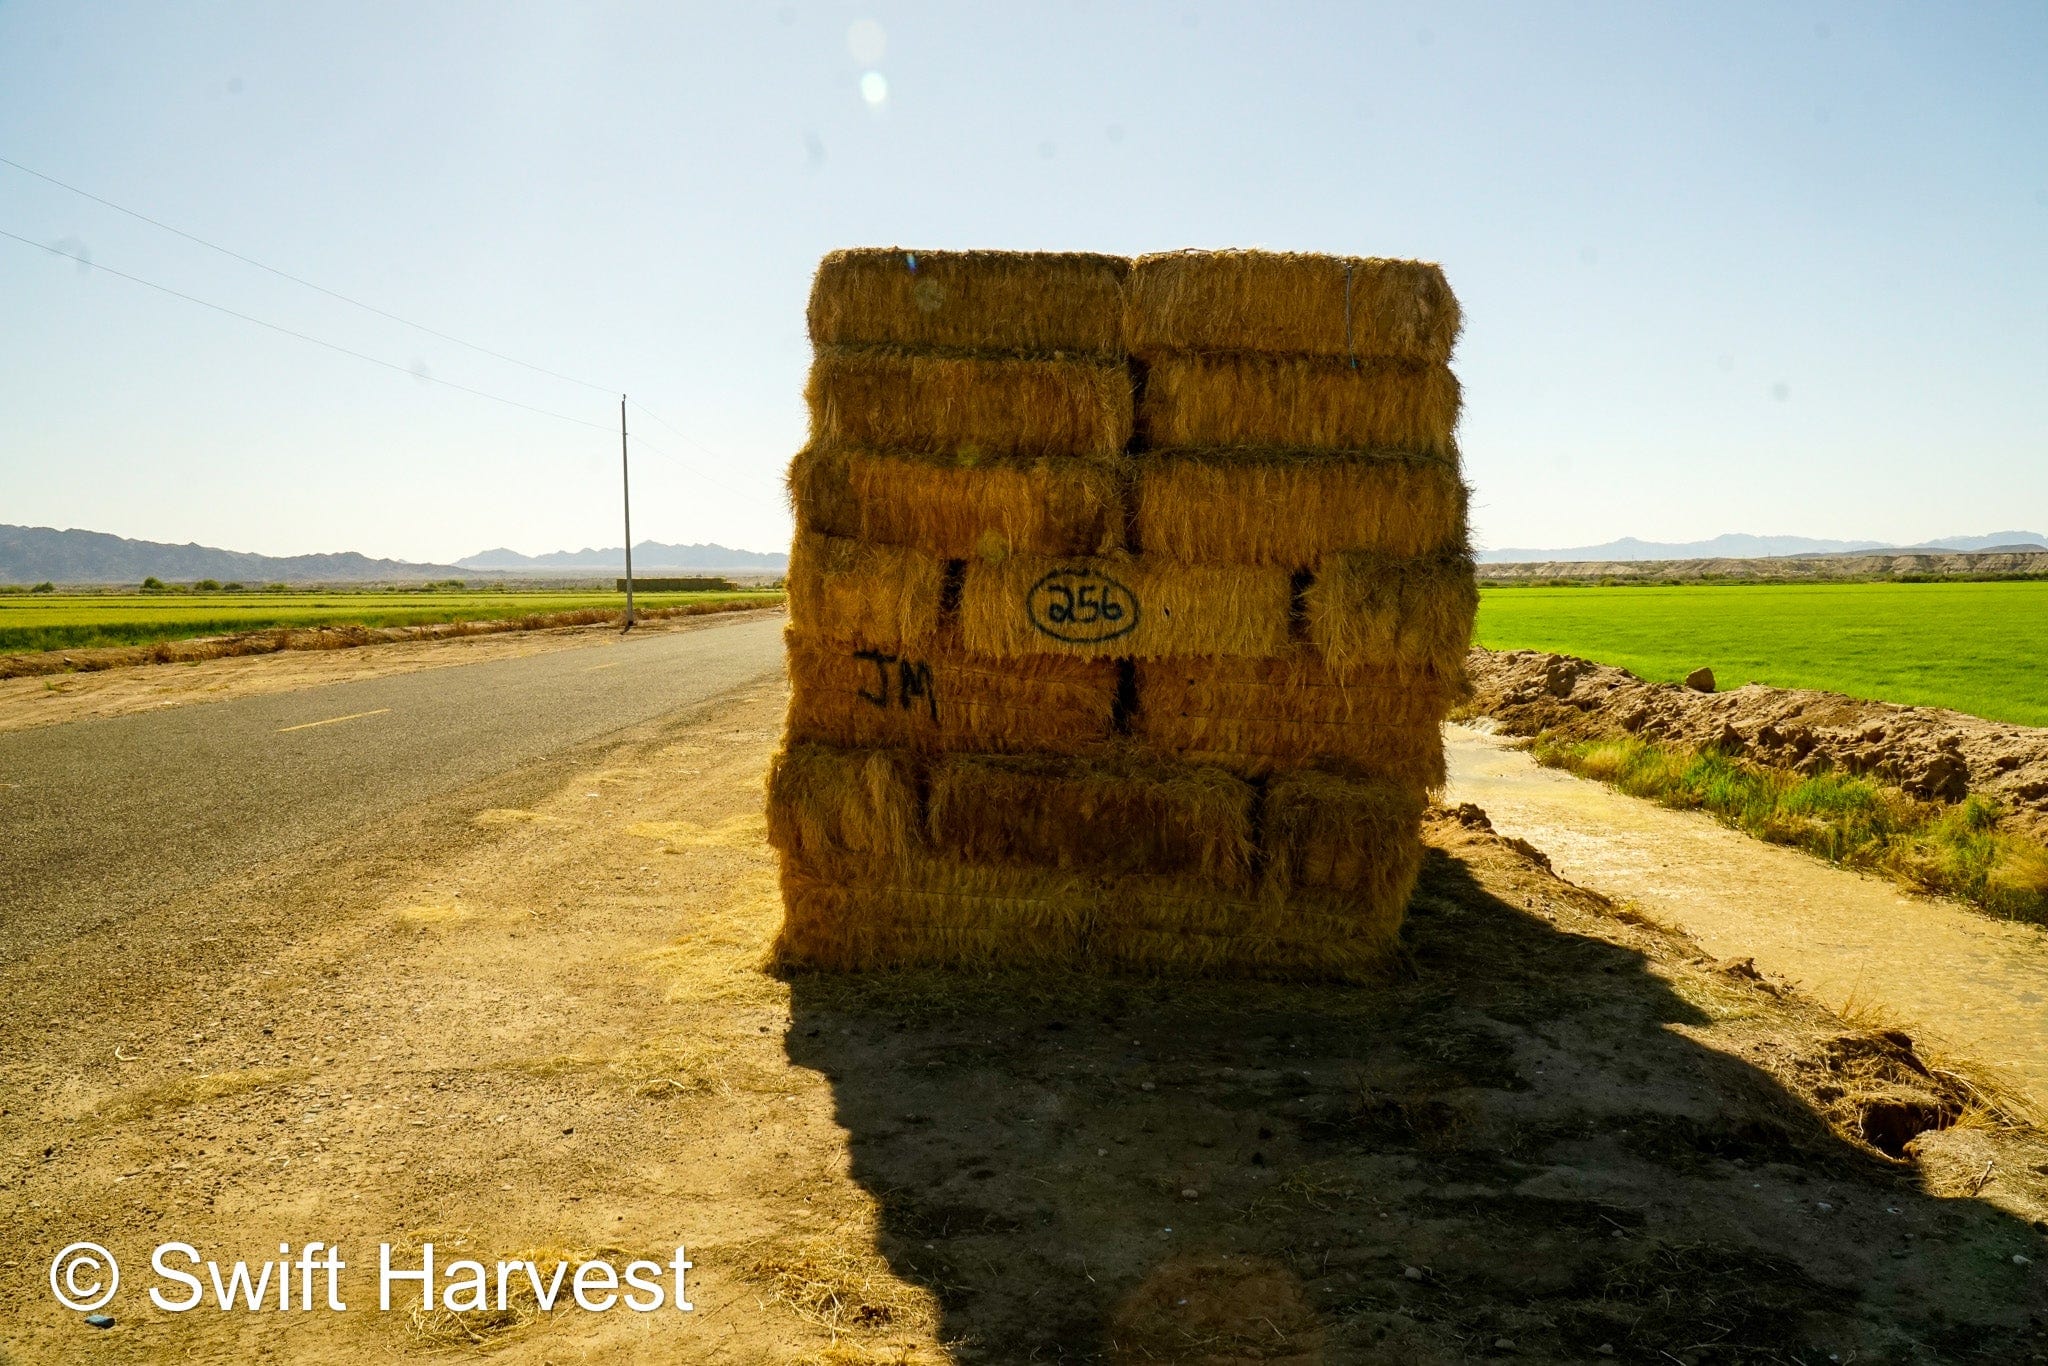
969, 408
937, 913
1179, 927
960, 511
1368, 610
1108, 814
854, 697
932, 913
1300, 403
847, 590
1288, 303
1024, 301
844, 811
1123, 606
1261, 716
1280, 508
1324, 833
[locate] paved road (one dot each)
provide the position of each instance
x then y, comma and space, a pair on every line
102, 819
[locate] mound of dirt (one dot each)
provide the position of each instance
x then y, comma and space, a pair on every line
1928, 752
2014, 562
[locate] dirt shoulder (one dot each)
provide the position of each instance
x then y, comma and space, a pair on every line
532, 1020
1968, 985
1928, 752
54, 698
195, 649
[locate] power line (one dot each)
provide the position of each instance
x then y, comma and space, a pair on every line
300, 280
275, 327
670, 425
358, 303
701, 447
653, 449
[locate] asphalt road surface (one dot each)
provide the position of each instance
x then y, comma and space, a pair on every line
101, 819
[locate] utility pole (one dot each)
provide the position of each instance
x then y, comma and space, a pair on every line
626, 491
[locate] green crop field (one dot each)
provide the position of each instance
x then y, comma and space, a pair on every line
66, 622
1980, 648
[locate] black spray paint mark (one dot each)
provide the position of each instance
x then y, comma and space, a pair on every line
1081, 606
899, 682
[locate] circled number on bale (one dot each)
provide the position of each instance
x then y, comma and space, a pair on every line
1081, 606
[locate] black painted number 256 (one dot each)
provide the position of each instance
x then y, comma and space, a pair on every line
1082, 606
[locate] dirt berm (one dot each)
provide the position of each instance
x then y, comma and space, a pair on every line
1928, 752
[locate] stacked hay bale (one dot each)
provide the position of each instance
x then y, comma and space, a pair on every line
1297, 418
1124, 602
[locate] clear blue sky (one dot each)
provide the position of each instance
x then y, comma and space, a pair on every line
1728, 267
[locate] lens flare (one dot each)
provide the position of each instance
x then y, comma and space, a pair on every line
874, 88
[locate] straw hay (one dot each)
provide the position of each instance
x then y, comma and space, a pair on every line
1053, 704
844, 811
1287, 303
847, 590
1322, 832
1367, 610
1182, 928
1300, 403
1259, 716
1109, 814
1286, 509
944, 700
939, 913
970, 300
932, 913
1123, 606
969, 408
1045, 507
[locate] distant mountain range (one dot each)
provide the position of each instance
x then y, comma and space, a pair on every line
33, 554
647, 555
1737, 546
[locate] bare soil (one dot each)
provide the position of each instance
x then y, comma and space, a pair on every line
1968, 985
54, 697
1928, 752
533, 1018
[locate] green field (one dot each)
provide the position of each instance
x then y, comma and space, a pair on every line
68, 622
1980, 648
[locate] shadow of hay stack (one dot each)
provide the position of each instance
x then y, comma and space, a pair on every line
1187, 532
1551, 1131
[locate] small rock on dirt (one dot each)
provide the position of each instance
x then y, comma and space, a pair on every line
1700, 680
1471, 816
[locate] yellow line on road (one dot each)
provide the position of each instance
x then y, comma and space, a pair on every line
352, 716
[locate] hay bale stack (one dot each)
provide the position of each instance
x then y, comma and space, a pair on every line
1300, 412
1125, 604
